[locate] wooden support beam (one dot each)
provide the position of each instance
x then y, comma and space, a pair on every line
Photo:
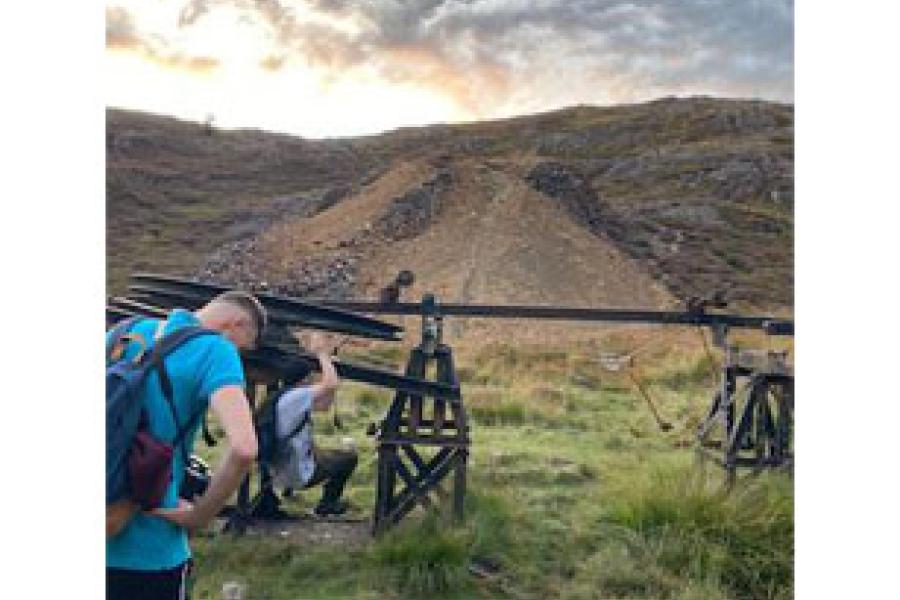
425, 441
436, 427
406, 502
411, 483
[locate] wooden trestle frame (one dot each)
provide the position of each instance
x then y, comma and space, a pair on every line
753, 423
418, 445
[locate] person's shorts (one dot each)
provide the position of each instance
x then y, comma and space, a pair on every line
128, 584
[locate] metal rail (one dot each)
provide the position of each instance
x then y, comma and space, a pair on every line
288, 311
316, 312
299, 362
772, 325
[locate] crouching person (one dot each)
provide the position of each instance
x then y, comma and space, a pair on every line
302, 464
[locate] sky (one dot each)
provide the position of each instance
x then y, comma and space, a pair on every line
331, 68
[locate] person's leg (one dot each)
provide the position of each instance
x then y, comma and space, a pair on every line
339, 464
333, 467
126, 584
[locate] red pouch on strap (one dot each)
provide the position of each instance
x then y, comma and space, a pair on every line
149, 469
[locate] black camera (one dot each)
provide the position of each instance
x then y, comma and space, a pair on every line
196, 478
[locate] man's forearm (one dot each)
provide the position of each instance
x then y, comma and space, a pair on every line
224, 482
329, 373
324, 390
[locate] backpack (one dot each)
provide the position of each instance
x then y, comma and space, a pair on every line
271, 447
138, 466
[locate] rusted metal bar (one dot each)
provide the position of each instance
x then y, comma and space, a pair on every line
772, 325
283, 364
290, 310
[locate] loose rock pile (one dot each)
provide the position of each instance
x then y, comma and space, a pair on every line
570, 189
240, 263
333, 272
412, 213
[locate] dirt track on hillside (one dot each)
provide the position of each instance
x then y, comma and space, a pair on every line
486, 238
498, 241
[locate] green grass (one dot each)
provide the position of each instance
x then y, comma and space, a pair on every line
572, 493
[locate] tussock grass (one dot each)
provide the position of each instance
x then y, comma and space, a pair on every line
685, 523
430, 557
423, 558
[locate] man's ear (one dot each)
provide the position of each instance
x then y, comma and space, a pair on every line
230, 323
240, 318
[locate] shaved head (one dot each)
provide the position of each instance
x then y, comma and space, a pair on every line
239, 315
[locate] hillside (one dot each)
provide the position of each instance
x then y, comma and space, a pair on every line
640, 205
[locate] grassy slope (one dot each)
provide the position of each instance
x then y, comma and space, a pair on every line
573, 493
683, 186
167, 181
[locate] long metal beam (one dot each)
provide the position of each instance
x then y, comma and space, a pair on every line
769, 324
288, 311
772, 325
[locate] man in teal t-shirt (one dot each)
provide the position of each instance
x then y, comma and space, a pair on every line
150, 557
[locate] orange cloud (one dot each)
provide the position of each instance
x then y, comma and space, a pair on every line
473, 88
121, 35
120, 32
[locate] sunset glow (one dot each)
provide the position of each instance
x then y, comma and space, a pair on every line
321, 68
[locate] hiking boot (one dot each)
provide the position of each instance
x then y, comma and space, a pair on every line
330, 509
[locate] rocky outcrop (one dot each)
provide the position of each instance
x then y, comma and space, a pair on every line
410, 214
570, 189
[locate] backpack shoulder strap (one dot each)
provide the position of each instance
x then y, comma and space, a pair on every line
303, 421
171, 341
120, 329
168, 344
300, 425
162, 348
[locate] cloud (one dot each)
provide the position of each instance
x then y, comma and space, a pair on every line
484, 52
120, 31
121, 34
492, 56
192, 11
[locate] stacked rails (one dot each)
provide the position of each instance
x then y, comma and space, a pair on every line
279, 356
169, 292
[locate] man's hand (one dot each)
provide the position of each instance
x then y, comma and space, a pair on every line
233, 412
182, 515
